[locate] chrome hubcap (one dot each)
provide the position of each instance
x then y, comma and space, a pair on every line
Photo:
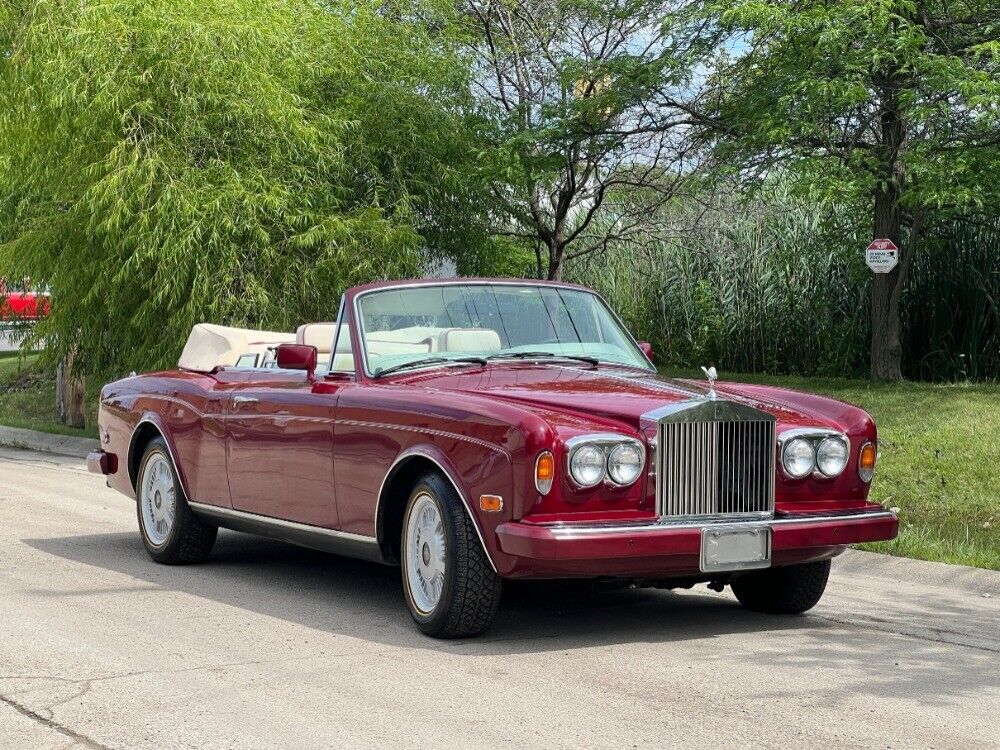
157, 499
425, 554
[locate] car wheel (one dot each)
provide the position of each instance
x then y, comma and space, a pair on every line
171, 532
788, 590
451, 588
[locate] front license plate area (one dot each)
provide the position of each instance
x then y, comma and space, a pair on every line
735, 548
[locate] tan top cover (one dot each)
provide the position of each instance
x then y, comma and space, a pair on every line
210, 346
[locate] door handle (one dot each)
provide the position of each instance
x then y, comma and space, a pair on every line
245, 400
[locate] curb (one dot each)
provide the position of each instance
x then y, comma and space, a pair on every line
897, 570
47, 442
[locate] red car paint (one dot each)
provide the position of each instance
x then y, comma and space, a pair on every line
328, 452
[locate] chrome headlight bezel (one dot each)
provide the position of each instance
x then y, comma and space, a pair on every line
587, 451
795, 444
625, 480
606, 444
814, 437
844, 445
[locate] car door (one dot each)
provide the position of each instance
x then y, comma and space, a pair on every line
279, 439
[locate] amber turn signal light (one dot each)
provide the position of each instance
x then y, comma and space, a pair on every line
491, 503
866, 461
545, 472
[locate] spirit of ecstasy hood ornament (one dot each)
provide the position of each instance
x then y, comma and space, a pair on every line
712, 376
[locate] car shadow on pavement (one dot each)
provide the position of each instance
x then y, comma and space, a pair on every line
347, 597
365, 600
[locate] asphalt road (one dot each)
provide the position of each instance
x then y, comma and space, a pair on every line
268, 646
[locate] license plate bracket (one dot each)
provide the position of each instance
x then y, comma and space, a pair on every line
726, 548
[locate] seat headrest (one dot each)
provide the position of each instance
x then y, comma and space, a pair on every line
470, 340
319, 335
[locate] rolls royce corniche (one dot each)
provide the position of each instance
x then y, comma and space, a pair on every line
476, 431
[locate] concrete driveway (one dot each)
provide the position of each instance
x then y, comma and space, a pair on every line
270, 646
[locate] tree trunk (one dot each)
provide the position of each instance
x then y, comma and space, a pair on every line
887, 349
555, 260
70, 395
886, 346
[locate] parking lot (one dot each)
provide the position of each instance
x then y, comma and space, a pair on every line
268, 645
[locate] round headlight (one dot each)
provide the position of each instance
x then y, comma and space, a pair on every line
587, 465
831, 456
625, 463
798, 458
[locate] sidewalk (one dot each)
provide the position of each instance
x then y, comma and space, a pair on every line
47, 442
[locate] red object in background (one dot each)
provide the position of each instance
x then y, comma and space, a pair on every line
331, 463
22, 305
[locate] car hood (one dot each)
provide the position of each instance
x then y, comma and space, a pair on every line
624, 394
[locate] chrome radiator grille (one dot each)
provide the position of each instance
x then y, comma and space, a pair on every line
711, 468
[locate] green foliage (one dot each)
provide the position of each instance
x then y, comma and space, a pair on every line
238, 161
952, 305
777, 285
817, 86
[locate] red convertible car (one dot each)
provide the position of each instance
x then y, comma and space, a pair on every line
472, 431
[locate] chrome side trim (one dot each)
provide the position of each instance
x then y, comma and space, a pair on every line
426, 431
465, 501
304, 535
572, 530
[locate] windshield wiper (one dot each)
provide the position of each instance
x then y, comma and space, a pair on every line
540, 355
428, 361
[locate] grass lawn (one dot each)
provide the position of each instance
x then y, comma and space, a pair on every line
28, 397
939, 462
939, 445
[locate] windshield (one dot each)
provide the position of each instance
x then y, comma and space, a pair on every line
459, 321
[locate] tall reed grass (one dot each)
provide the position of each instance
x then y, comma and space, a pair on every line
781, 287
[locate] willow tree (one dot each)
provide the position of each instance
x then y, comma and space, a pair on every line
892, 106
239, 161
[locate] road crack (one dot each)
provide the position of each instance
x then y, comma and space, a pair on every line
79, 739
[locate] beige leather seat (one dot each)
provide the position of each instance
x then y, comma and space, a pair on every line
319, 335
424, 337
480, 340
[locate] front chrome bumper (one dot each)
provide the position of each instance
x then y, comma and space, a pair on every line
673, 538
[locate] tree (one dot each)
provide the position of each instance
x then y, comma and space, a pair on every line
237, 161
890, 105
583, 139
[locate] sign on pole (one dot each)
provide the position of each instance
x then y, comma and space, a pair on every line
882, 256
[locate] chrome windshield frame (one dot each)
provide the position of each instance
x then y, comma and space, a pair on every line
358, 322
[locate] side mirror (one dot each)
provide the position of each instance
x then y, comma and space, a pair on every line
646, 348
297, 357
